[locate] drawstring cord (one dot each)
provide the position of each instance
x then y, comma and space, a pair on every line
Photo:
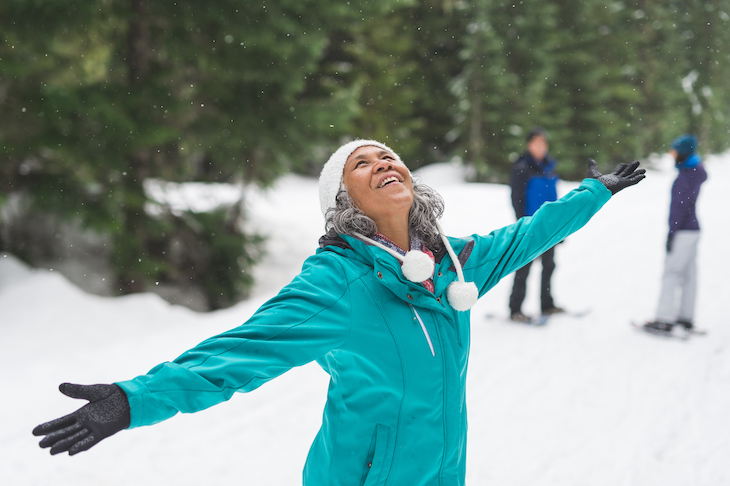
417, 267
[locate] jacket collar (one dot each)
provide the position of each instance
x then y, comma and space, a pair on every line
343, 243
354, 248
690, 162
545, 166
389, 272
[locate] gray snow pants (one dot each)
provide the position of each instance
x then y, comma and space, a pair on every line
679, 283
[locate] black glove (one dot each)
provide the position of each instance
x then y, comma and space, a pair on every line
106, 414
624, 176
670, 240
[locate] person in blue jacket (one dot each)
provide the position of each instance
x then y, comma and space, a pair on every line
382, 306
678, 293
533, 182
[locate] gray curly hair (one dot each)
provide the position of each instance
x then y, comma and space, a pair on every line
428, 206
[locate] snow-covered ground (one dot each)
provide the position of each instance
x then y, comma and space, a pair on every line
586, 401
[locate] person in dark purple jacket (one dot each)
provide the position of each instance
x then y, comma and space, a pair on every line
679, 283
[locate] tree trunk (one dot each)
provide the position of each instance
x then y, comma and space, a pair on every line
130, 277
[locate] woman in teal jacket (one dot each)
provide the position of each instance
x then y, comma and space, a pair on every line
390, 327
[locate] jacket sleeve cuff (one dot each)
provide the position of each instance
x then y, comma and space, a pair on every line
596, 187
134, 391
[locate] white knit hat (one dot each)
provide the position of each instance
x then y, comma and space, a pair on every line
416, 267
330, 180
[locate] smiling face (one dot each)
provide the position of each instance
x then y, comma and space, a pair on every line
379, 184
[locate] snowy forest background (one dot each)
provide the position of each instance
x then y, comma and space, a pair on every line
170, 148
105, 105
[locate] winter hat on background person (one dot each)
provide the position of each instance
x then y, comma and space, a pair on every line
536, 132
685, 145
416, 266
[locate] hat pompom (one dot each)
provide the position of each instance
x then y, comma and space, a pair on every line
417, 266
462, 295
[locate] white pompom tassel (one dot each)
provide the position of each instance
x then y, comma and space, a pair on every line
462, 295
417, 266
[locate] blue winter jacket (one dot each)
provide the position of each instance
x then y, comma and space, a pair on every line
396, 353
533, 183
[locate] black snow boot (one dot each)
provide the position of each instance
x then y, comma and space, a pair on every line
659, 327
688, 325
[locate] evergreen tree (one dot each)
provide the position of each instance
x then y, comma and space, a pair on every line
398, 65
591, 90
503, 87
703, 34
100, 96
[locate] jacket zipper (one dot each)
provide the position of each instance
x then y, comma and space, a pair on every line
425, 331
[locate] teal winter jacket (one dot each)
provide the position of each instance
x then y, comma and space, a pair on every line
396, 353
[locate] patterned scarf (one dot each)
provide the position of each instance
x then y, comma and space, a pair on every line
415, 245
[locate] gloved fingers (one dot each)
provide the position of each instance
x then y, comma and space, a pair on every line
54, 425
83, 445
592, 172
636, 176
54, 437
91, 393
630, 168
619, 170
69, 442
72, 390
